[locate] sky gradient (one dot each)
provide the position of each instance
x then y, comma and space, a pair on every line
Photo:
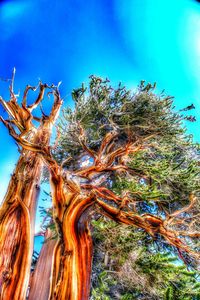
127, 41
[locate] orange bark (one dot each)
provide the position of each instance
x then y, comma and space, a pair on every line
17, 214
72, 201
17, 221
73, 253
40, 280
72, 264
17, 217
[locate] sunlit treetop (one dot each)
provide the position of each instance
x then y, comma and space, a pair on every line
100, 109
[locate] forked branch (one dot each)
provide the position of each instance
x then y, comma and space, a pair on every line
21, 115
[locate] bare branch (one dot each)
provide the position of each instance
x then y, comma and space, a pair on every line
151, 224
28, 87
56, 106
21, 117
82, 140
122, 151
39, 98
192, 199
171, 217
13, 97
103, 192
106, 141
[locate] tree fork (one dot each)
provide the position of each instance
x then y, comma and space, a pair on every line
72, 203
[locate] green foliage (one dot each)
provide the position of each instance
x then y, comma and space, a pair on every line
127, 296
136, 267
128, 264
168, 162
104, 108
104, 283
169, 295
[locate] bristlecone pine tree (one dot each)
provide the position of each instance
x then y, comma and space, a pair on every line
17, 213
125, 156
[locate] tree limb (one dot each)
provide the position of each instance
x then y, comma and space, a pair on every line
151, 224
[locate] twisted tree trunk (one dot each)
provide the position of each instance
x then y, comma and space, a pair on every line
17, 214
17, 220
72, 259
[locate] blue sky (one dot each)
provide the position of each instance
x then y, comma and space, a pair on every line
123, 40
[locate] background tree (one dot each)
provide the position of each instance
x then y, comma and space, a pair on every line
17, 213
123, 155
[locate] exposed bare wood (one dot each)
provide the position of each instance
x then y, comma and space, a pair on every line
41, 277
72, 202
72, 257
17, 214
17, 219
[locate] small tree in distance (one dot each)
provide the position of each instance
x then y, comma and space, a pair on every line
126, 156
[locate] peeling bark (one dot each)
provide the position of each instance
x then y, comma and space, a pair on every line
72, 201
17, 214
40, 280
17, 222
72, 259
17, 218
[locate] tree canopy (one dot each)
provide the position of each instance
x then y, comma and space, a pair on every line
147, 165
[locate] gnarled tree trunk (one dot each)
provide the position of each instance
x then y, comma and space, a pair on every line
17, 220
17, 214
72, 259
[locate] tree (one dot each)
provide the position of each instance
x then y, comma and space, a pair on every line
17, 213
126, 156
